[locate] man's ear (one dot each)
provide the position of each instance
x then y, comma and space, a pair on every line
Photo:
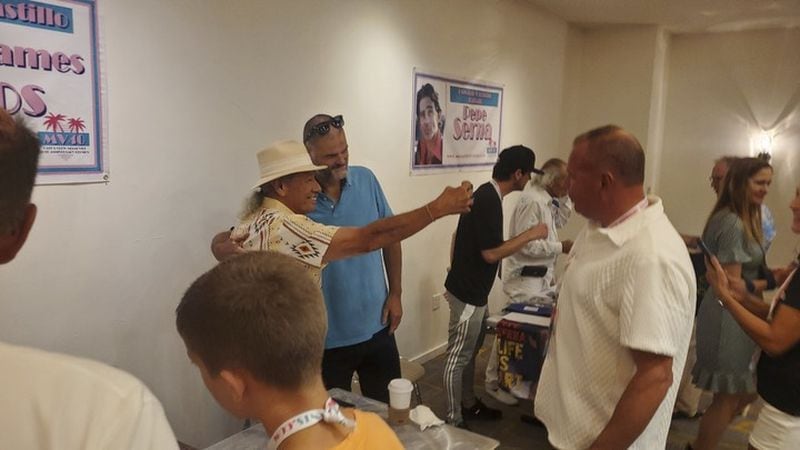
234, 383
606, 180
279, 187
11, 243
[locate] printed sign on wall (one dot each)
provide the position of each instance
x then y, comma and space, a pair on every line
456, 124
49, 73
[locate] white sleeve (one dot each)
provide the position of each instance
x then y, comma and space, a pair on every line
140, 424
527, 215
655, 306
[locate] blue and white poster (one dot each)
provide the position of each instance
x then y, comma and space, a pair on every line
456, 124
50, 75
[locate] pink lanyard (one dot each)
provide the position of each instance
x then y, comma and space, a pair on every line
331, 414
638, 207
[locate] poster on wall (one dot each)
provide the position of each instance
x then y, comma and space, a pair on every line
50, 75
456, 124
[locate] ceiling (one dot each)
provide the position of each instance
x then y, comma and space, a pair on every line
679, 15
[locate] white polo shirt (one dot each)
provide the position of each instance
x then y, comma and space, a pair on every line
50, 401
627, 287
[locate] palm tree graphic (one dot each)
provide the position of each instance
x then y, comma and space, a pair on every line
76, 124
53, 121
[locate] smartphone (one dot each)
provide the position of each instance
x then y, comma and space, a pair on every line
704, 248
534, 271
707, 253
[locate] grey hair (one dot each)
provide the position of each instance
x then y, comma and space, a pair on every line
544, 180
552, 171
252, 204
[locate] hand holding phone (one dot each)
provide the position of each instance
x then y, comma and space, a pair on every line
713, 265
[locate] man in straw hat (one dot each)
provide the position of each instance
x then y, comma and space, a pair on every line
274, 218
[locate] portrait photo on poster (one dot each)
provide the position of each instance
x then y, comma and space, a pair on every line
456, 123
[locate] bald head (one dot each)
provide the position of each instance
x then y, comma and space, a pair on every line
616, 150
606, 173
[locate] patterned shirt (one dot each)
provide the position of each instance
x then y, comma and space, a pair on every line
275, 227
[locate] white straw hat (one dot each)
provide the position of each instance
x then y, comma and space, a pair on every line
283, 158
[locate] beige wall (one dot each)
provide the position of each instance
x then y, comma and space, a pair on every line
723, 89
195, 89
614, 75
690, 98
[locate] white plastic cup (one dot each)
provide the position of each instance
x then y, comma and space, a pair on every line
400, 393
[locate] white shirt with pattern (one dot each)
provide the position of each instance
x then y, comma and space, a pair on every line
275, 227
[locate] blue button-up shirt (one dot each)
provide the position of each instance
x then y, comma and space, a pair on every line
354, 288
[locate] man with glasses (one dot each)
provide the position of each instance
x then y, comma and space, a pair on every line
362, 313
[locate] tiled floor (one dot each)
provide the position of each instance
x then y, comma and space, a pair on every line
514, 434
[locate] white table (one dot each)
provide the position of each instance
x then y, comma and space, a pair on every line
435, 438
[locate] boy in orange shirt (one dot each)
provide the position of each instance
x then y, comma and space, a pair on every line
255, 327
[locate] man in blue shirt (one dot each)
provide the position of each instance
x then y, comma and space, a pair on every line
362, 313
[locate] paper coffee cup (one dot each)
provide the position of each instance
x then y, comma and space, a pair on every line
400, 393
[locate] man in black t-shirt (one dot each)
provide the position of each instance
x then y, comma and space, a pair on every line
478, 249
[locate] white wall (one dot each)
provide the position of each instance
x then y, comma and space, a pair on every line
610, 79
690, 98
195, 89
724, 88
614, 75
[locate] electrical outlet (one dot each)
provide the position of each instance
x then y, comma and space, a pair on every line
437, 301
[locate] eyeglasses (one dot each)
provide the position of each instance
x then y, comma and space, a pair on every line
322, 128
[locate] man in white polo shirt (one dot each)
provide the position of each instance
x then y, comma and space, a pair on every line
625, 309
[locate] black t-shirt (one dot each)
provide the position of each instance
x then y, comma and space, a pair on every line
779, 378
471, 277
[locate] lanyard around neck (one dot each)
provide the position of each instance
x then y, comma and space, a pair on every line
643, 204
330, 414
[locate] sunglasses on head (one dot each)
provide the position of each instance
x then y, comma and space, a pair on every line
322, 128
